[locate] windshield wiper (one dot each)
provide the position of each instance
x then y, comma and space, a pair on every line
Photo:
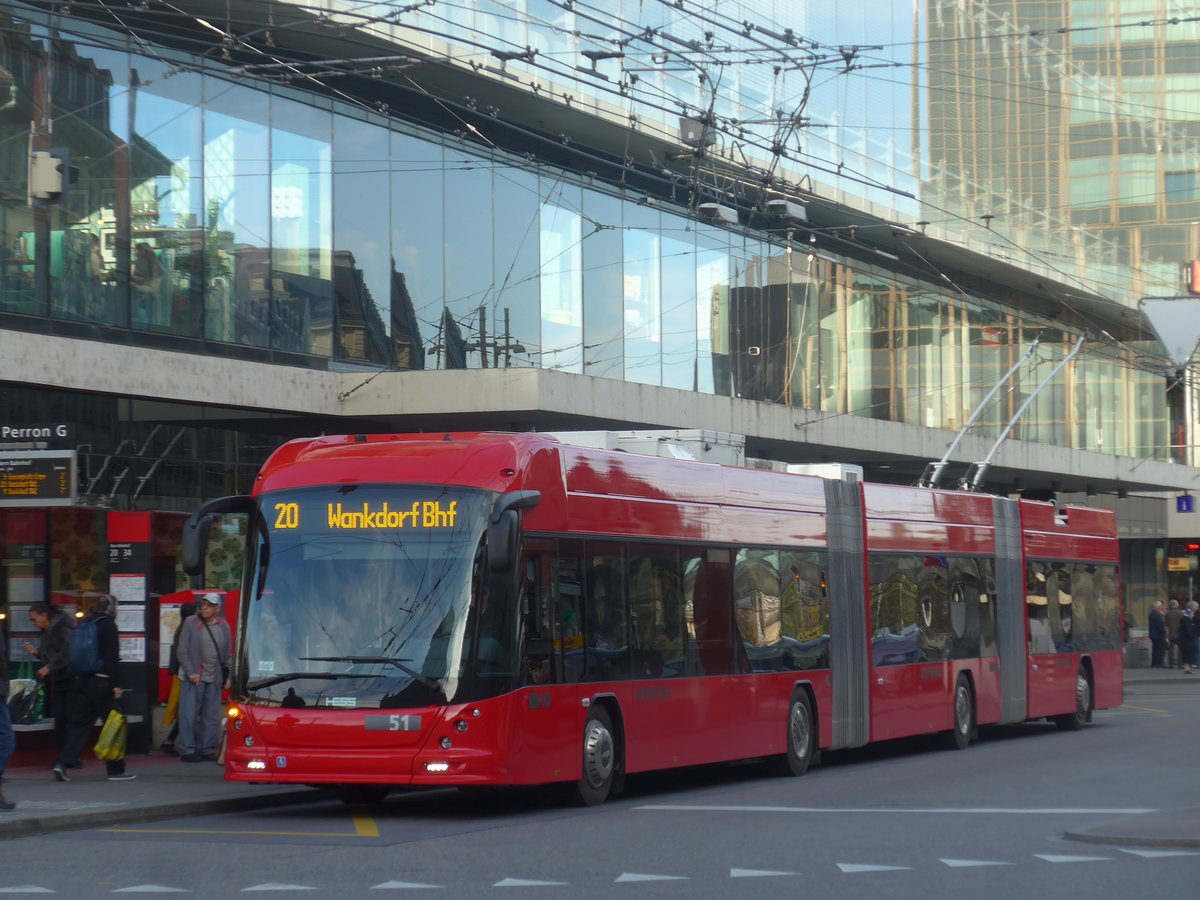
292, 676
381, 660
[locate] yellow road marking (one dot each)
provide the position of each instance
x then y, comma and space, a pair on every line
218, 831
364, 826
1140, 708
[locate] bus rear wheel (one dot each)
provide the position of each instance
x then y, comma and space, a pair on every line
599, 759
1082, 714
964, 715
800, 740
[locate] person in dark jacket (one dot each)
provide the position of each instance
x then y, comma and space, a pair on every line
1174, 614
53, 651
186, 611
1157, 633
8, 740
90, 697
1187, 636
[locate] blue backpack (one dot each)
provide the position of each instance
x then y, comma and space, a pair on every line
85, 658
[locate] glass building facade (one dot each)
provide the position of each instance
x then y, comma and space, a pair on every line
230, 215
1073, 124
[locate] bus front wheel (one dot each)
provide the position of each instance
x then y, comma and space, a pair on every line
599, 759
800, 739
964, 715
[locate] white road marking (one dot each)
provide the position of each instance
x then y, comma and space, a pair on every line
276, 886
756, 873
637, 876
527, 882
26, 889
858, 867
874, 811
1057, 858
401, 885
972, 863
1155, 854
151, 889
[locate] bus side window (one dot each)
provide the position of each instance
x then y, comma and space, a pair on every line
566, 614
606, 606
535, 602
656, 614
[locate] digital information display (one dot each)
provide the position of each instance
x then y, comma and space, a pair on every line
37, 478
420, 514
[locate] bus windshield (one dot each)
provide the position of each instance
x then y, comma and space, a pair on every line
359, 595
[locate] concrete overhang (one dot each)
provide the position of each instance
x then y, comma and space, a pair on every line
185, 388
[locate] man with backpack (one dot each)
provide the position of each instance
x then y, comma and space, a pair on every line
93, 657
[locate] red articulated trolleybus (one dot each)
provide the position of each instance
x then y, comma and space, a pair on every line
512, 609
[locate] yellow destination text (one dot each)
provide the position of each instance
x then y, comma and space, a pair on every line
422, 514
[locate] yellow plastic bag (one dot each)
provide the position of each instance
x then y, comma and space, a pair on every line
111, 743
171, 713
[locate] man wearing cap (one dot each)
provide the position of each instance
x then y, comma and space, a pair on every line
205, 658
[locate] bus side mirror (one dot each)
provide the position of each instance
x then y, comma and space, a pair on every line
504, 528
195, 543
198, 525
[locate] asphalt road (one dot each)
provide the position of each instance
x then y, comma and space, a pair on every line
905, 819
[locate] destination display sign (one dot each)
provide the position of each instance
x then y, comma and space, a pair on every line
37, 478
372, 516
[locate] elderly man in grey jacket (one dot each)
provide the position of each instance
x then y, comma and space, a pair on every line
205, 658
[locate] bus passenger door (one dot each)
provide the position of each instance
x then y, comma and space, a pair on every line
889, 687
908, 675
1051, 685
909, 699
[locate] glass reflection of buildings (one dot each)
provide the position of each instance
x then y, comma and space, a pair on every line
288, 224
1074, 123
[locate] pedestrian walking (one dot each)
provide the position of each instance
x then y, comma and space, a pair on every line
8, 740
53, 651
91, 697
